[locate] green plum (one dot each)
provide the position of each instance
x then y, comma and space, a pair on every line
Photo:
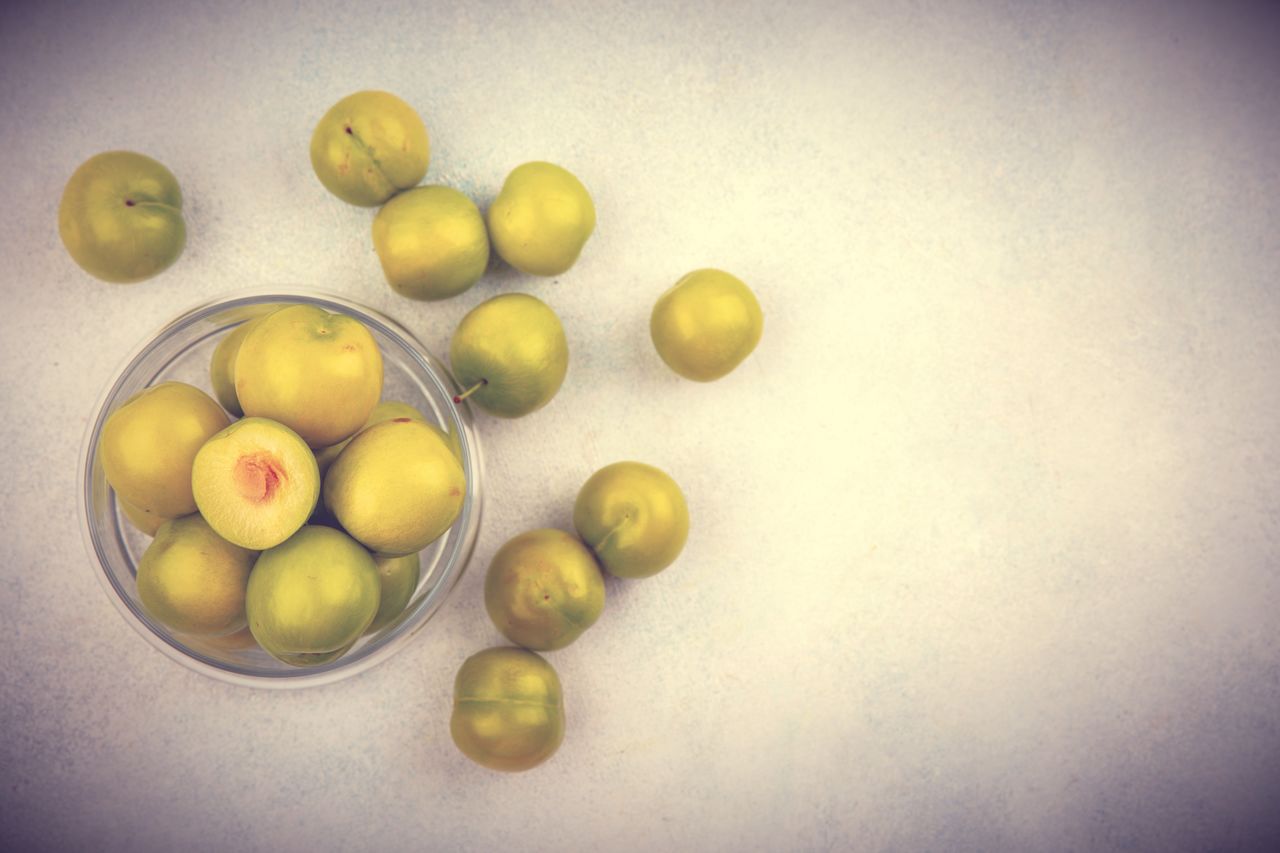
369, 146
147, 522
222, 368
508, 709
387, 410
397, 487
121, 217
318, 373
541, 219
311, 597
193, 580
511, 354
256, 482
431, 242
634, 517
149, 445
543, 589
706, 324
399, 578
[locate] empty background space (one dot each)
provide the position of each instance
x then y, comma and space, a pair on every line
984, 535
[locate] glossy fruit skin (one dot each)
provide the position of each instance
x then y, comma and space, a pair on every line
397, 487
706, 324
516, 344
311, 597
431, 242
147, 522
543, 589
384, 411
508, 709
222, 373
399, 578
256, 482
634, 518
541, 219
193, 580
369, 146
121, 217
149, 444
318, 373
390, 410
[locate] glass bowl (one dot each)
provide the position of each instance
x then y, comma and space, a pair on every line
181, 351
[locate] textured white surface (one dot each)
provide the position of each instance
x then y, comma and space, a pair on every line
985, 534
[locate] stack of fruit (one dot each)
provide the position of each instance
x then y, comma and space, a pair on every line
544, 588
510, 352
303, 520
391, 482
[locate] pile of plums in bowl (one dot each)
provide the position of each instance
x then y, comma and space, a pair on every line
257, 440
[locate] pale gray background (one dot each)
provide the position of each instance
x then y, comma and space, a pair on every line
984, 534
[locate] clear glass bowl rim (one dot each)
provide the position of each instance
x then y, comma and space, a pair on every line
449, 573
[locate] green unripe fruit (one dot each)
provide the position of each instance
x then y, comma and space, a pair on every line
193, 580
399, 578
256, 482
706, 324
121, 217
222, 368
397, 487
431, 242
369, 146
147, 522
541, 219
149, 444
508, 711
320, 374
543, 590
511, 354
634, 517
311, 597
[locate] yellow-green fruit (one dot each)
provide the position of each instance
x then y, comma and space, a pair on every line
634, 517
543, 589
384, 411
121, 217
149, 444
541, 219
432, 243
147, 522
391, 410
312, 596
369, 146
256, 482
706, 324
193, 580
239, 641
508, 710
318, 373
511, 353
222, 367
396, 487
399, 578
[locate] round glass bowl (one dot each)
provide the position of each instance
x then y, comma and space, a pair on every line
181, 351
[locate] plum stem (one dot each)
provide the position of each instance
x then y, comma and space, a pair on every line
458, 398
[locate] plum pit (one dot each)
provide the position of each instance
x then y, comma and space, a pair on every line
258, 477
